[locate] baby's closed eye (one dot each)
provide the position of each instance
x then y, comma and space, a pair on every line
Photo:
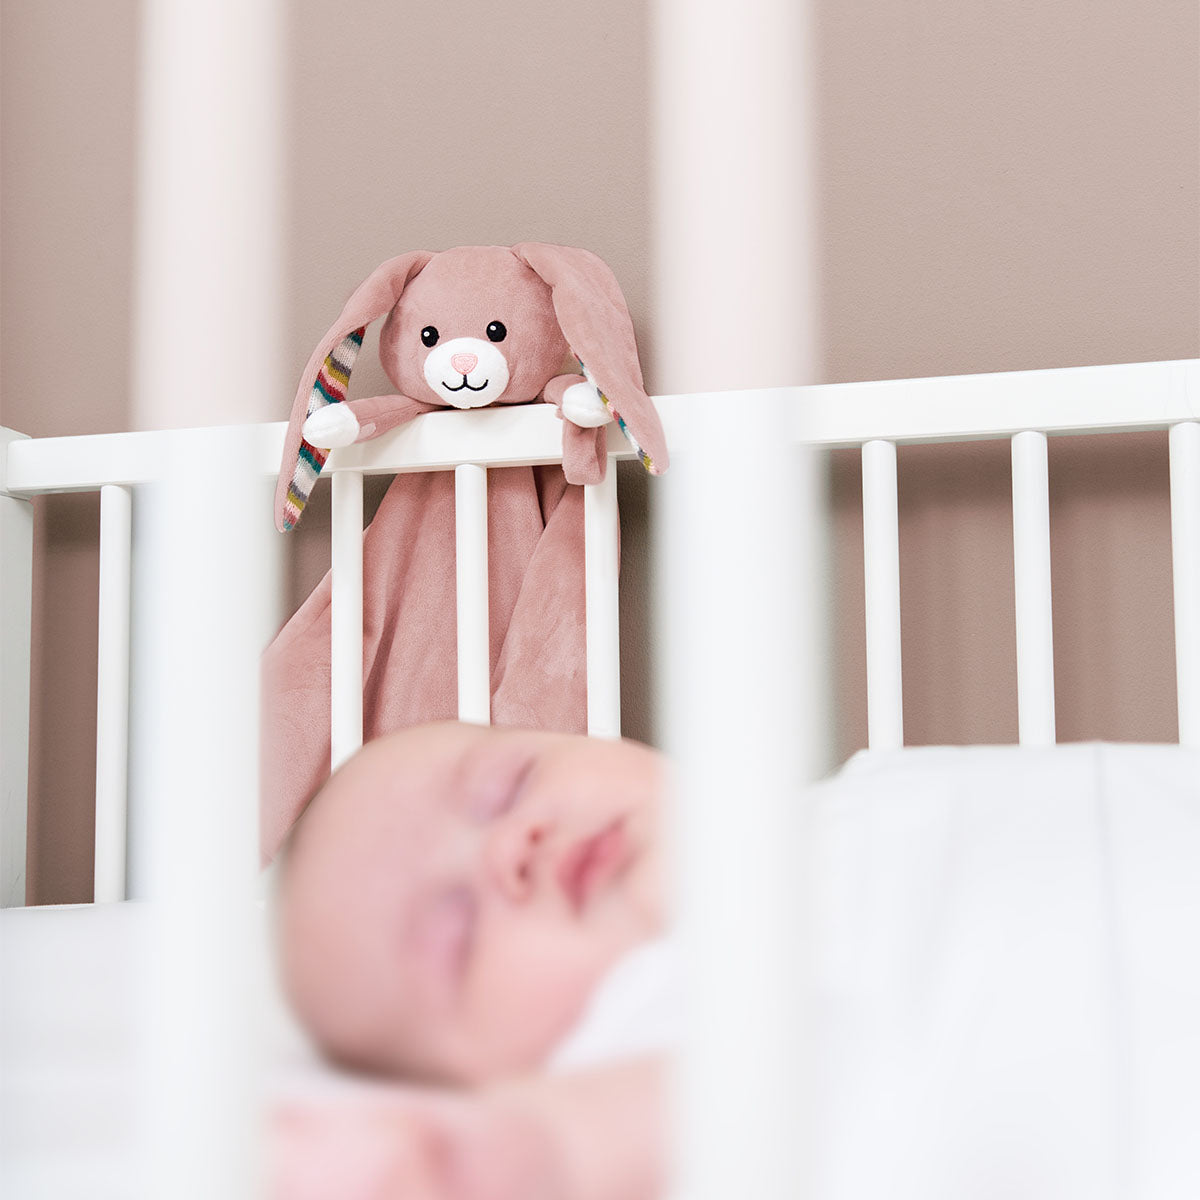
493, 786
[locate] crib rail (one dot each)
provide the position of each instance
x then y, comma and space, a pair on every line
876, 417
1124, 397
1117, 398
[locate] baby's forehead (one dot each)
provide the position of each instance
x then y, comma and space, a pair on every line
357, 804
396, 788
401, 784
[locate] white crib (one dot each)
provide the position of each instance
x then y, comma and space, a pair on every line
874, 417
736, 691
733, 688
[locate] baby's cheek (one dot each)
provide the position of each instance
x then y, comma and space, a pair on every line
531, 991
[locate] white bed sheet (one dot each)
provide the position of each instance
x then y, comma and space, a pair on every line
1008, 970
1009, 973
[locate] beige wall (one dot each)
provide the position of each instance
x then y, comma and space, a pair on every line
1007, 187
1002, 187
67, 107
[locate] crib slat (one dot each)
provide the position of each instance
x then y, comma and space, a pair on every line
601, 535
16, 613
471, 563
1185, 566
195, 821
209, 250
739, 620
112, 693
346, 663
881, 581
1031, 574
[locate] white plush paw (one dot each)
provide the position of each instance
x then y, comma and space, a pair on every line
581, 405
332, 426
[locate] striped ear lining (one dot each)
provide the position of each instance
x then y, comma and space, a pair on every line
647, 461
329, 387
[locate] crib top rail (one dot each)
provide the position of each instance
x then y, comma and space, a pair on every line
1125, 397
1070, 400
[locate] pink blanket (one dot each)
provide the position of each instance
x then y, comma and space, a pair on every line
464, 328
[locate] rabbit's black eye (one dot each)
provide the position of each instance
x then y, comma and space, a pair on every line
429, 335
496, 332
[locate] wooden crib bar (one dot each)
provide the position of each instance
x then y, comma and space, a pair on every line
601, 535
346, 617
471, 571
16, 613
1185, 557
881, 583
112, 693
739, 638
1031, 578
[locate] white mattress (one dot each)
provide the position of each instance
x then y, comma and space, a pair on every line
1008, 966
1009, 970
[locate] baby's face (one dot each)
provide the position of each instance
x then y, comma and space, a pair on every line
454, 894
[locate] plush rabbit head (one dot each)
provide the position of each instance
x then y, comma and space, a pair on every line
473, 326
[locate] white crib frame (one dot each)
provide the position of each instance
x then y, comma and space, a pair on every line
1024, 407
195, 235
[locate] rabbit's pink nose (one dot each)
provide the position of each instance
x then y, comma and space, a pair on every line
464, 364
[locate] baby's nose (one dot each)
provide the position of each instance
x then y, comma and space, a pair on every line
464, 364
512, 862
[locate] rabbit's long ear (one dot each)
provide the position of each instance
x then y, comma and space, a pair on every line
327, 375
595, 321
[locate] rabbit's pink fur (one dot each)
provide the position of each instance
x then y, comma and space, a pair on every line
459, 292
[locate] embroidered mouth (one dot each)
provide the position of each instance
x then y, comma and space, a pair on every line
466, 385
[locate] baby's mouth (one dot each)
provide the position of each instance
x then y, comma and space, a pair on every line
592, 862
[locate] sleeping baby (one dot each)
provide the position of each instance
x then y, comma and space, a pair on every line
449, 904
994, 943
